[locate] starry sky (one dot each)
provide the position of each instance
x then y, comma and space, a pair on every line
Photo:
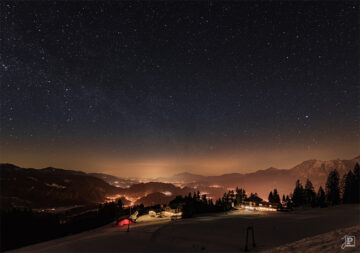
155, 88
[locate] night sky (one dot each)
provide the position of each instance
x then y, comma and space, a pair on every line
156, 88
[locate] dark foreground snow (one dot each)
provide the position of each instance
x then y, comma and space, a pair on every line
215, 233
328, 242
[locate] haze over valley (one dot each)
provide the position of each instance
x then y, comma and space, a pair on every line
51, 187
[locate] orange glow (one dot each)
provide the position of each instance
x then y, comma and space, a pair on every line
226, 158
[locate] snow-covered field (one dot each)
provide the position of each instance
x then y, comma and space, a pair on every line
328, 242
216, 233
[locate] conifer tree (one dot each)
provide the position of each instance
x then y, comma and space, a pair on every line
276, 196
310, 196
298, 195
332, 188
356, 183
349, 188
271, 197
320, 197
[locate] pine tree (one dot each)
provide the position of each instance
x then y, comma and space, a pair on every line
283, 198
225, 198
203, 198
240, 196
276, 196
349, 188
232, 195
288, 202
120, 204
356, 183
320, 198
254, 198
298, 195
332, 188
310, 196
287, 198
189, 196
271, 197
342, 185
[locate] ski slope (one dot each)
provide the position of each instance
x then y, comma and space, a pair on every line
212, 233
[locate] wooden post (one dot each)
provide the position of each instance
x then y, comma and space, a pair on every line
246, 241
253, 236
247, 238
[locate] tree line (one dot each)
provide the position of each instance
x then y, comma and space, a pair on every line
196, 204
336, 192
22, 226
346, 191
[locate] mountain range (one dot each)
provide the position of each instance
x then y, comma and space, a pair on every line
51, 187
263, 181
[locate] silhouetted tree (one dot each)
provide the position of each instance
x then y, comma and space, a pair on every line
283, 198
287, 198
310, 196
188, 209
271, 197
198, 195
332, 188
356, 183
120, 204
196, 204
240, 196
218, 202
254, 198
320, 197
276, 196
349, 188
189, 195
342, 185
203, 198
231, 194
288, 201
298, 195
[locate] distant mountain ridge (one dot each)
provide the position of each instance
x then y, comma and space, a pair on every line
55, 187
142, 189
50, 187
263, 181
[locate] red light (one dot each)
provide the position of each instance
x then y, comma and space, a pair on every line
124, 222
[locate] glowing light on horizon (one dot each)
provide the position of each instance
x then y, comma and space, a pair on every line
215, 186
167, 193
259, 208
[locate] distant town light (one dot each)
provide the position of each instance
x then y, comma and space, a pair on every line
167, 193
259, 208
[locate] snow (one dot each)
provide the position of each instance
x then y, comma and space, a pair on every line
222, 232
56, 186
327, 242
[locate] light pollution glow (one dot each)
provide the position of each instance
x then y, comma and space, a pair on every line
152, 165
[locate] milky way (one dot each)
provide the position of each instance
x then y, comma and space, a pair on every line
147, 88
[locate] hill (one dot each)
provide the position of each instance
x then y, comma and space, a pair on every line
154, 198
50, 187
